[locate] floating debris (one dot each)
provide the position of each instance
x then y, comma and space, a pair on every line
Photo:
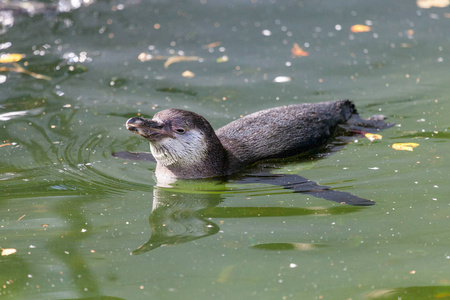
168, 59
188, 74
10, 58
282, 79
222, 59
212, 45
405, 146
373, 136
175, 59
360, 28
8, 251
13, 58
297, 51
432, 3
266, 32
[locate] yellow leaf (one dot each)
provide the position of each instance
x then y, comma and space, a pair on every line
405, 146
373, 136
360, 28
8, 251
10, 57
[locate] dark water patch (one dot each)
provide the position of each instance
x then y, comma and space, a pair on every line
287, 246
172, 90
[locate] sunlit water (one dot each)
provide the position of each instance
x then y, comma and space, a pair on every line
75, 222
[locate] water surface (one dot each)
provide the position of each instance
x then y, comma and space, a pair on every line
85, 224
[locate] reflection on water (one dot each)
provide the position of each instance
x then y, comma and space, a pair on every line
176, 218
411, 293
35, 7
305, 186
182, 215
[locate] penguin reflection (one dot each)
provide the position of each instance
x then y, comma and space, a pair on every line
180, 215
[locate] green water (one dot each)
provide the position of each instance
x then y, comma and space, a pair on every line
87, 225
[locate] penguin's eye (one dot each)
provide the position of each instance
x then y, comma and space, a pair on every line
180, 130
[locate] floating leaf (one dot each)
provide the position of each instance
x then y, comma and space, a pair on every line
10, 58
297, 51
373, 136
432, 3
8, 251
188, 74
169, 59
405, 146
175, 59
360, 28
19, 69
212, 45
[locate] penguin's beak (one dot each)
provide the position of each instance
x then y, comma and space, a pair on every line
152, 130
